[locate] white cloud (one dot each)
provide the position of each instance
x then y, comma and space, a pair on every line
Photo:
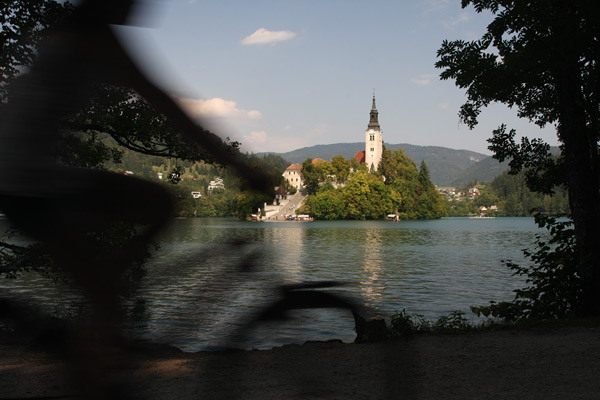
263, 36
254, 114
423, 80
256, 137
216, 107
444, 105
260, 140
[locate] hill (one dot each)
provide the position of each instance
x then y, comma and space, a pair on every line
483, 171
446, 166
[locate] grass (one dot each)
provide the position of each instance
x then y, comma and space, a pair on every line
403, 324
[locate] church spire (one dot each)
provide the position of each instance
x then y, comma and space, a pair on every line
374, 119
374, 108
373, 139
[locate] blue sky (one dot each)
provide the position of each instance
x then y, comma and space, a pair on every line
280, 75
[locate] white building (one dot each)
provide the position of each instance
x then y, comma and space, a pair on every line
216, 184
373, 140
293, 175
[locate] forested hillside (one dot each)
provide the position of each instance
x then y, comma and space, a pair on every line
184, 177
510, 194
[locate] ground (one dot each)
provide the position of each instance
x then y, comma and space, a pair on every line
550, 363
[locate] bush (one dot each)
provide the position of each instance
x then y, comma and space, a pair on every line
403, 324
554, 289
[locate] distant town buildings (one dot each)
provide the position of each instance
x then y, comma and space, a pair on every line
280, 194
216, 184
473, 192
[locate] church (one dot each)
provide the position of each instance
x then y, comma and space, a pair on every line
373, 151
371, 155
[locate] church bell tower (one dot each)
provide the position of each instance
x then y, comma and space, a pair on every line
373, 139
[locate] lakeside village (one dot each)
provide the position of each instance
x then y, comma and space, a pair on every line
375, 184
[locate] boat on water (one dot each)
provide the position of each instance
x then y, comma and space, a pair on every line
299, 217
392, 217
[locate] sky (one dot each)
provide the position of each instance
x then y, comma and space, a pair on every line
279, 75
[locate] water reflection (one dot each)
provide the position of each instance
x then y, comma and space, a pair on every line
200, 286
286, 254
371, 286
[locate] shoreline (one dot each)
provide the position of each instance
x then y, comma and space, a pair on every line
556, 362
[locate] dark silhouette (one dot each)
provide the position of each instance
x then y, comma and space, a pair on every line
302, 296
307, 295
64, 207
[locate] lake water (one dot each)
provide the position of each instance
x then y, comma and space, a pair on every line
211, 276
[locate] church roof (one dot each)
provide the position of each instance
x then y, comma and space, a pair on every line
373, 118
360, 156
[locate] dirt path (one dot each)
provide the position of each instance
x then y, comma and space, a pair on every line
561, 363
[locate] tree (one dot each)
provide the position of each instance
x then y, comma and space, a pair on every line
541, 57
401, 175
93, 108
366, 197
314, 173
116, 111
23, 24
430, 203
341, 168
326, 205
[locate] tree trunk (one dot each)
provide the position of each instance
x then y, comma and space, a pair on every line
580, 151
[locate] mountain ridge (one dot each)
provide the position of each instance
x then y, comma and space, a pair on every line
447, 167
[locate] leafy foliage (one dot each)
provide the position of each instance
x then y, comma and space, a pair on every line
543, 171
362, 194
133, 124
15, 259
516, 199
512, 196
87, 151
405, 324
542, 58
327, 205
23, 25
555, 289
115, 112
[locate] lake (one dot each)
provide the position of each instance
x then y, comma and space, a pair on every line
211, 276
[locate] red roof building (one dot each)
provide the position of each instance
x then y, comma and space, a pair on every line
293, 174
360, 156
